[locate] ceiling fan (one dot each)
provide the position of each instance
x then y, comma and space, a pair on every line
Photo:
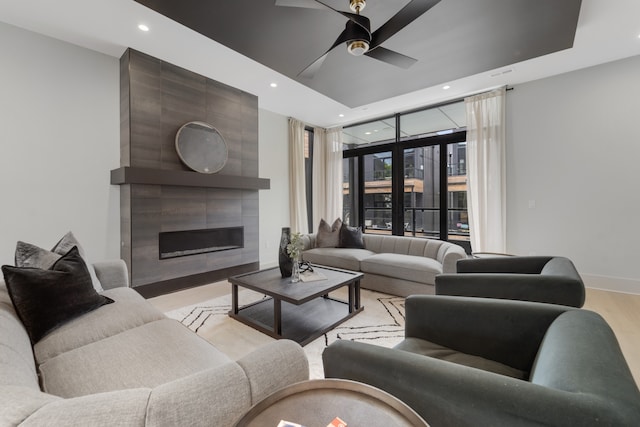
357, 34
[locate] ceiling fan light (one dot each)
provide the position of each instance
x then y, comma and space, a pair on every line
357, 47
357, 5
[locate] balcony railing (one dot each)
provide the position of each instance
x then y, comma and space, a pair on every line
420, 222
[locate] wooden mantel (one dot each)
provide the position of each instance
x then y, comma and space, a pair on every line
136, 175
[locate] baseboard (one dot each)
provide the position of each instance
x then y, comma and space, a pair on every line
614, 284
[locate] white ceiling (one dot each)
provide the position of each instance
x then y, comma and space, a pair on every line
607, 30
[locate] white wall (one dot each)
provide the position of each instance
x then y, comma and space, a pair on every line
274, 165
59, 115
573, 149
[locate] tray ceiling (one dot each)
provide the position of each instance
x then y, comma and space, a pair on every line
455, 39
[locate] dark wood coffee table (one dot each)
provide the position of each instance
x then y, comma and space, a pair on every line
316, 403
300, 311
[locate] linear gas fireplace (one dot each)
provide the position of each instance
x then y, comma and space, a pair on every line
175, 244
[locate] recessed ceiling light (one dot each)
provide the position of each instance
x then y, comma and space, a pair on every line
445, 87
143, 27
367, 133
274, 85
340, 115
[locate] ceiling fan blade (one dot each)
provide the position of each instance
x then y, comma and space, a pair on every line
312, 68
391, 57
404, 17
309, 4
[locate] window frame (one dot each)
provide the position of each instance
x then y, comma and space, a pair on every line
397, 148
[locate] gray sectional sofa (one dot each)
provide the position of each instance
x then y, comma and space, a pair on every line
126, 364
394, 265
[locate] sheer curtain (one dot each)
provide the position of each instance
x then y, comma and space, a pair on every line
486, 186
297, 193
327, 174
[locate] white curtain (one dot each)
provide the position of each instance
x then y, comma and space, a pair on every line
486, 186
297, 193
327, 175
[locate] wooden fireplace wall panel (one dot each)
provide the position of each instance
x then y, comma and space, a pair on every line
157, 98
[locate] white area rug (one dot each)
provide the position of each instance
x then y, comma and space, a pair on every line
380, 323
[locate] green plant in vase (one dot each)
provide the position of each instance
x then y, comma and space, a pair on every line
294, 250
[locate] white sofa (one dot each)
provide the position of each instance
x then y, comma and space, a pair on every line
394, 265
126, 364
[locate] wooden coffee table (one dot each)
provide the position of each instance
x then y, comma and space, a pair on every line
316, 403
300, 311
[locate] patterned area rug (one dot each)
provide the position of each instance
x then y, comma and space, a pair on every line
380, 323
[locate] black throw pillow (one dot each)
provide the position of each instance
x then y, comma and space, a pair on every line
351, 237
46, 299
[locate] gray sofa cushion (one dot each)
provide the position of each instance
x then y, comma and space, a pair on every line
17, 404
347, 258
28, 255
146, 356
408, 267
351, 237
122, 408
328, 236
129, 311
215, 397
17, 367
46, 299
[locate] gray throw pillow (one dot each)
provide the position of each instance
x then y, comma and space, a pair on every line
28, 255
328, 236
46, 299
351, 237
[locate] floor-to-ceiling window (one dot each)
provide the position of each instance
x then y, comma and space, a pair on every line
406, 174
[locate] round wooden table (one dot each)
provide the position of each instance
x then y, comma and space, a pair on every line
316, 403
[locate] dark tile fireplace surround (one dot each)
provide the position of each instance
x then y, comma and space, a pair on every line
181, 228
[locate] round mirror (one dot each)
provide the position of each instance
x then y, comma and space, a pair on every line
201, 147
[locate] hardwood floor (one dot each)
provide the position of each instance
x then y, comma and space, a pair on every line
621, 311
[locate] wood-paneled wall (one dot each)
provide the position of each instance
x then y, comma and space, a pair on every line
157, 98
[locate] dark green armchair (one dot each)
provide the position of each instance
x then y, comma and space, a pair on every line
491, 362
547, 279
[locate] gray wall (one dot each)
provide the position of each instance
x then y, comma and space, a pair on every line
573, 146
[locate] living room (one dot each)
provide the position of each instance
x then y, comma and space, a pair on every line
570, 157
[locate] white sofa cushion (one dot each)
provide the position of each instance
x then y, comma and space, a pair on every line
408, 267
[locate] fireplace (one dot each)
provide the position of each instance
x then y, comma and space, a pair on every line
175, 244
173, 219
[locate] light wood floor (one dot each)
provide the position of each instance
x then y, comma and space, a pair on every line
621, 311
